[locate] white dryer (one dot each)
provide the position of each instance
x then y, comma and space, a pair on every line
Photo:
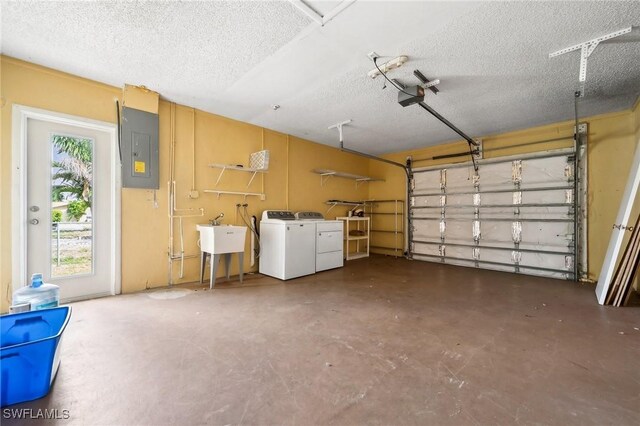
329, 240
287, 245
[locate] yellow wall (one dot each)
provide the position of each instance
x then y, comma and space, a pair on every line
145, 228
26, 84
612, 139
289, 182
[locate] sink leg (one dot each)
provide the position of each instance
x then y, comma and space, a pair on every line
241, 264
215, 259
227, 264
203, 260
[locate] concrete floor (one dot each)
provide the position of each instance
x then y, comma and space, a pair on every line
380, 341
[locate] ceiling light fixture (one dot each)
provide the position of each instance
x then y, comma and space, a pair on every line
388, 66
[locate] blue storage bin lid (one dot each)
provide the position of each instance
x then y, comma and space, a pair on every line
30, 345
29, 327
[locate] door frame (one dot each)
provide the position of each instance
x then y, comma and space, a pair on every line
20, 115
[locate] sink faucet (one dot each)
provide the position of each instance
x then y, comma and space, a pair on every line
216, 222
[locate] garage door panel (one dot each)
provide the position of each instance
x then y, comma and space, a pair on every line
511, 196
545, 171
459, 179
427, 249
546, 213
501, 268
549, 261
459, 230
426, 229
523, 259
515, 215
556, 248
557, 196
428, 181
459, 200
547, 233
495, 233
543, 273
423, 216
531, 234
427, 201
459, 215
493, 255
496, 198
524, 213
459, 252
495, 177
460, 262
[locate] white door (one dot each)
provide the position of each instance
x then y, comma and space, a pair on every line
70, 219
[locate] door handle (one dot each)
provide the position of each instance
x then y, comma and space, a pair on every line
34, 221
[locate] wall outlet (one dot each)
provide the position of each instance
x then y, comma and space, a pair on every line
194, 194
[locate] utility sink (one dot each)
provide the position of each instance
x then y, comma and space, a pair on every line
222, 239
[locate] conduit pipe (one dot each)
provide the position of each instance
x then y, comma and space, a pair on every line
171, 203
172, 210
286, 189
193, 145
262, 148
170, 196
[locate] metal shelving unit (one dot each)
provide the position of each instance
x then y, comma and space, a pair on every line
352, 204
380, 224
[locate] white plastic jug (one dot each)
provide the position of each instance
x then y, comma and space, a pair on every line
38, 294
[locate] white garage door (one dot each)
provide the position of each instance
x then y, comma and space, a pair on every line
514, 214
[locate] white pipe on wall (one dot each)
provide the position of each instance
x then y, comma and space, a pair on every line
170, 193
193, 147
171, 201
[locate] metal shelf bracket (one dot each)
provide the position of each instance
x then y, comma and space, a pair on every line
324, 177
586, 49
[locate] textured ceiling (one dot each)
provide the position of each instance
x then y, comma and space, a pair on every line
238, 58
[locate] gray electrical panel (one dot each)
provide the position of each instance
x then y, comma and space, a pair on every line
139, 148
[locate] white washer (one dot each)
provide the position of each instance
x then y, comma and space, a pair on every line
329, 240
287, 245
